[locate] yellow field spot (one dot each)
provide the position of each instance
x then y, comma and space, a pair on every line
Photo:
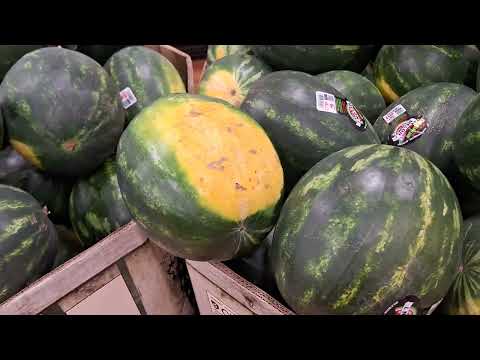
226, 157
388, 93
27, 152
222, 85
220, 52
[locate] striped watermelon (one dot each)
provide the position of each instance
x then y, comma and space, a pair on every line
358, 89
441, 105
403, 68
62, 111
200, 200
96, 205
366, 227
27, 241
284, 103
464, 295
231, 77
217, 52
143, 75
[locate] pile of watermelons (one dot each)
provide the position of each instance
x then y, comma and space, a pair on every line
342, 179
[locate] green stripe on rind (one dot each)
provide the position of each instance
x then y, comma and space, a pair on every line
63, 97
367, 237
284, 104
160, 198
245, 70
96, 205
442, 105
407, 67
149, 75
28, 241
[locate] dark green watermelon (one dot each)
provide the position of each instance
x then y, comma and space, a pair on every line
96, 205
52, 192
27, 241
284, 104
62, 111
466, 143
441, 105
358, 89
366, 227
143, 75
403, 68
68, 245
217, 52
231, 77
10, 54
464, 295
316, 59
99, 53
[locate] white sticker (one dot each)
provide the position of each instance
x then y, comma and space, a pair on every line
326, 102
128, 98
218, 307
394, 113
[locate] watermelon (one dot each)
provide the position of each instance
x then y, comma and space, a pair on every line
200, 200
62, 111
52, 192
466, 137
142, 75
68, 245
472, 55
439, 108
358, 89
284, 104
231, 77
217, 52
10, 54
403, 68
96, 205
99, 53
366, 227
27, 241
464, 295
316, 59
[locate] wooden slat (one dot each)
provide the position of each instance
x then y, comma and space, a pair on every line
66, 278
154, 278
212, 300
249, 295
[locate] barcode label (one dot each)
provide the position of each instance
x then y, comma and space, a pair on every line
218, 307
394, 113
128, 98
326, 102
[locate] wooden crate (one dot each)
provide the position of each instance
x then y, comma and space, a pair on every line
220, 291
124, 274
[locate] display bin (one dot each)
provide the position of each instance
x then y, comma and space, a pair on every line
124, 274
220, 291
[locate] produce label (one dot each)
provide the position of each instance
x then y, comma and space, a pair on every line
326, 102
218, 307
405, 306
394, 113
128, 98
408, 130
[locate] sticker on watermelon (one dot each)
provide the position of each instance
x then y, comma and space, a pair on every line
128, 98
406, 306
408, 130
357, 117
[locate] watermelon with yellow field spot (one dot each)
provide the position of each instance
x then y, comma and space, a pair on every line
143, 75
200, 176
464, 295
62, 111
27, 241
96, 205
231, 77
402, 68
285, 104
440, 106
217, 52
366, 227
